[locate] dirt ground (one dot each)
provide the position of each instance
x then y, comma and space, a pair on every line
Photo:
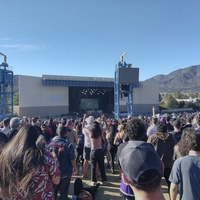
110, 191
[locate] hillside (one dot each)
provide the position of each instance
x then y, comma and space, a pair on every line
185, 80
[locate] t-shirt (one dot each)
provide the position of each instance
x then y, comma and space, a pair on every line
151, 129
186, 174
87, 141
64, 151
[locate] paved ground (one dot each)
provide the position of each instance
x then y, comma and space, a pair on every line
111, 191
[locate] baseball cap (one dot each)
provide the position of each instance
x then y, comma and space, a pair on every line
136, 159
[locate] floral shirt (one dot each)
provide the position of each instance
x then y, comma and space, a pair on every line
41, 186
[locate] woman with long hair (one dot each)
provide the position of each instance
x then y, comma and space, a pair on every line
163, 142
27, 170
97, 154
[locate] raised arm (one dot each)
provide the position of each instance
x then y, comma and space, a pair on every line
83, 122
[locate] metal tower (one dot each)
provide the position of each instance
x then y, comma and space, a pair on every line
126, 78
6, 90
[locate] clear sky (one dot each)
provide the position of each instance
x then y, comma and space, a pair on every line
87, 37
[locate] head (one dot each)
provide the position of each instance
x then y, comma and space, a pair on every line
69, 123
161, 127
182, 147
15, 123
135, 130
89, 120
163, 120
6, 122
26, 136
96, 130
34, 120
192, 139
177, 123
189, 119
47, 135
120, 127
141, 166
63, 131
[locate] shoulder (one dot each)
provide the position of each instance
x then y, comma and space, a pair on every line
181, 160
120, 147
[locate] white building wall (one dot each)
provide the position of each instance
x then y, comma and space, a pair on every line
147, 94
36, 99
32, 93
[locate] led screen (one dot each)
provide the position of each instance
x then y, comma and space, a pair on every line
129, 75
89, 104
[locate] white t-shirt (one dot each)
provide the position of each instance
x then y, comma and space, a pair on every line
151, 130
87, 141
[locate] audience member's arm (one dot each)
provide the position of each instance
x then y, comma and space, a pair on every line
83, 122
173, 191
56, 180
105, 122
73, 162
116, 139
154, 111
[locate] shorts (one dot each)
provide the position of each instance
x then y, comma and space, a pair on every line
86, 154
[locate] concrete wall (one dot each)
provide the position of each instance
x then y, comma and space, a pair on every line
36, 99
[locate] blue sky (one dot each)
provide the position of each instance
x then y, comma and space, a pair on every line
87, 37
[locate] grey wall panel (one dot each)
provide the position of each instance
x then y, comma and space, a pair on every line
43, 111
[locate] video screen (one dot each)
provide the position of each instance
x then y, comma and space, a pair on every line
87, 104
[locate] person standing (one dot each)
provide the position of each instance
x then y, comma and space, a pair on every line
27, 169
87, 142
177, 130
136, 131
63, 151
185, 174
97, 154
142, 170
164, 143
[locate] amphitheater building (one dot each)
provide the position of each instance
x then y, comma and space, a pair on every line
53, 95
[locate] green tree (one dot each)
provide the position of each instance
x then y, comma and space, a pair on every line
171, 102
178, 95
16, 99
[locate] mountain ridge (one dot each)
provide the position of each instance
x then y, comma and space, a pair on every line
184, 80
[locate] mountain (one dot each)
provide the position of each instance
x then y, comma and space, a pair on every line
184, 80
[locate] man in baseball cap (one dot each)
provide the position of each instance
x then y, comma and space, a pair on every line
142, 169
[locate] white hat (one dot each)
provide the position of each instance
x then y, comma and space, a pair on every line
90, 120
129, 117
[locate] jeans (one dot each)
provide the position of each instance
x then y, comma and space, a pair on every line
63, 188
97, 156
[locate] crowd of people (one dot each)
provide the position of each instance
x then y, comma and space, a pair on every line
40, 156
